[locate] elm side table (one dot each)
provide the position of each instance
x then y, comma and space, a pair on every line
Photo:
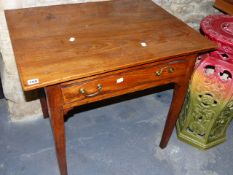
84, 53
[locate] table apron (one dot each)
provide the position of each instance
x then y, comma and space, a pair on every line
84, 91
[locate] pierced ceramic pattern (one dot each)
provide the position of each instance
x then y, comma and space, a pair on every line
219, 28
208, 108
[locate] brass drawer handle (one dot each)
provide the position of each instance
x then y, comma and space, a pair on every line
84, 92
160, 72
171, 70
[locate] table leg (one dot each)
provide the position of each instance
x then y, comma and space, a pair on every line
173, 114
179, 94
57, 124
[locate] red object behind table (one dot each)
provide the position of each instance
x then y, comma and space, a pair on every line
219, 28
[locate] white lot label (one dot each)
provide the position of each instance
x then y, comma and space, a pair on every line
120, 80
72, 39
33, 81
143, 44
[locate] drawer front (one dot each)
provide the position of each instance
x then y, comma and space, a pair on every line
122, 81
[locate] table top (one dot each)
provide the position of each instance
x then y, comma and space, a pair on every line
59, 43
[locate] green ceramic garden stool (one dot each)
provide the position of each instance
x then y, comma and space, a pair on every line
208, 108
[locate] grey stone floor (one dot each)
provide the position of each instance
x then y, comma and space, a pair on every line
117, 139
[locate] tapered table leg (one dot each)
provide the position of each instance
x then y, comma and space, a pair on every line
180, 90
173, 114
57, 123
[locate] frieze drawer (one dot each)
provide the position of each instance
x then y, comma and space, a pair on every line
90, 89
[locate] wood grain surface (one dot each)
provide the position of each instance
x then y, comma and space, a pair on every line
123, 45
108, 36
225, 6
121, 82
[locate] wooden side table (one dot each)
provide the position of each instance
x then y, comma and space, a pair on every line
84, 53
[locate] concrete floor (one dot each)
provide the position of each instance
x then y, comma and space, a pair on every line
117, 139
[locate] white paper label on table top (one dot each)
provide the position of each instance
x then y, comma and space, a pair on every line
33, 81
120, 80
